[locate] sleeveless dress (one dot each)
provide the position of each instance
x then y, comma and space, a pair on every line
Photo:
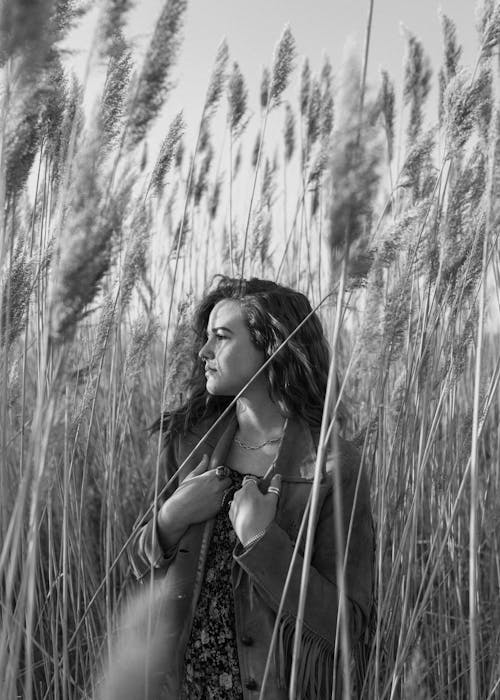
211, 665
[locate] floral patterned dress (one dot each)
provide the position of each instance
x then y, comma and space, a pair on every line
211, 665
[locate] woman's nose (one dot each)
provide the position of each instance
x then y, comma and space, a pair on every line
206, 351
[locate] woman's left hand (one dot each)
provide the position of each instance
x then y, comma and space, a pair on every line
251, 511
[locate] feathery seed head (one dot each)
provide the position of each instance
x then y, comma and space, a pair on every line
327, 114
237, 162
490, 30
354, 162
72, 121
264, 87
326, 99
452, 50
26, 29
214, 199
442, 88
418, 159
167, 153
153, 82
386, 100
134, 265
201, 184
261, 236
179, 154
180, 236
204, 138
111, 25
85, 249
284, 59
23, 137
143, 333
237, 98
255, 151
289, 132
305, 87
417, 83
15, 298
113, 99
53, 113
217, 79
314, 113
462, 102
268, 185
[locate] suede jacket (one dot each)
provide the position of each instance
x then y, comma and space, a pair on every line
259, 571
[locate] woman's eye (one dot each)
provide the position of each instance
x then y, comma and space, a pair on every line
219, 336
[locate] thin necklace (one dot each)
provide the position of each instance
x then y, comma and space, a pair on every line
246, 446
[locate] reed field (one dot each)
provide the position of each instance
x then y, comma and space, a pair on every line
382, 208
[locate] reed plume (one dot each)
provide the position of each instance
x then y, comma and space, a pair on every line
85, 250
15, 297
135, 262
25, 30
452, 50
289, 132
255, 150
305, 87
214, 199
142, 336
386, 102
111, 25
265, 83
112, 105
154, 82
327, 102
464, 102
28, 121
217, 81
168, 150
417, 83
314, 115
354, 169
283, 65
237, 99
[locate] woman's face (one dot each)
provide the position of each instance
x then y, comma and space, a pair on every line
230, 357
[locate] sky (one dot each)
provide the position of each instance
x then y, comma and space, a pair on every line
252, 30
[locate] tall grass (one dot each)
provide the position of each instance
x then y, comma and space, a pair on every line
103, 253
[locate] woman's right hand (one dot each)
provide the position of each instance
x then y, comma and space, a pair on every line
197, 499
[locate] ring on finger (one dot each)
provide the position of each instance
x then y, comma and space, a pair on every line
275, 490
221, 473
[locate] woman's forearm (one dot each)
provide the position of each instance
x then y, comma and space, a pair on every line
170, 526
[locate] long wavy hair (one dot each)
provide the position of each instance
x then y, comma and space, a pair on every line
296, 377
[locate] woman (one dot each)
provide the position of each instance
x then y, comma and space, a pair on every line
224, 536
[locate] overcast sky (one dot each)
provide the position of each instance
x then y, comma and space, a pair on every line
252, 30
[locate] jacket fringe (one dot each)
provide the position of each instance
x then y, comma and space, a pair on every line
316, 659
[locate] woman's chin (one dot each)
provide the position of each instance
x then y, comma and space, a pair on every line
216, 389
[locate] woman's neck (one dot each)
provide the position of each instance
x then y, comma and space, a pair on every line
259, 418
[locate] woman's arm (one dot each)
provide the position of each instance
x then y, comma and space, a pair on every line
146, 550
197, 498
268, 559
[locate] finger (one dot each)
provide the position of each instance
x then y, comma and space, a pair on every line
249, 483
274, 488
201, 467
